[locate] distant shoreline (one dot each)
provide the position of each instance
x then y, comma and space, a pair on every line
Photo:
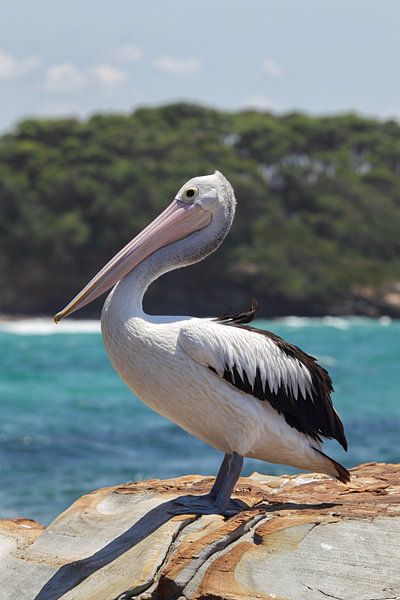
317, 229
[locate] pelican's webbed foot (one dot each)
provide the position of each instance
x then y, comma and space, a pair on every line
205, 505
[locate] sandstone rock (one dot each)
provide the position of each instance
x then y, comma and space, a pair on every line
303, 537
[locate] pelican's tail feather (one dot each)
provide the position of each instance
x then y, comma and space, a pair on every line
341, 473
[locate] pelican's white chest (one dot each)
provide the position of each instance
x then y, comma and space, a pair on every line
140, 350
143, 357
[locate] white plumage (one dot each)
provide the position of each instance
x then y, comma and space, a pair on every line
165, 362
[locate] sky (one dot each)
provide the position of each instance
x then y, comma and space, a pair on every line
89, 56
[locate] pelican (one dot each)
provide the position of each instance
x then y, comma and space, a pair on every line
244, 391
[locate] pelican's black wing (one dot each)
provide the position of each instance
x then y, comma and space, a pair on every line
264, 365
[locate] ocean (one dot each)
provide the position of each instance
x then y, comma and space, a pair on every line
68, 424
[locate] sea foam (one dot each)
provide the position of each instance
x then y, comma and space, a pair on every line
46, 326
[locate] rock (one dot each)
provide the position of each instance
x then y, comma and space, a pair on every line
17, 534
304, 537
373, 301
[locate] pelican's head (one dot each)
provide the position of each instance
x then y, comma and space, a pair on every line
195, 224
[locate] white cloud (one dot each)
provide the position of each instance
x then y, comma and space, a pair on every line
177, 66
259, 102
14, 68
108, 75
271, 67
127, 53
65, 78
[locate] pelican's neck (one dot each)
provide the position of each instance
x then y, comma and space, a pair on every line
126, 298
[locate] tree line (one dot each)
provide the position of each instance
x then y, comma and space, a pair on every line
318, 214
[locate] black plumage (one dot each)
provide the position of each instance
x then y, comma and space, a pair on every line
313, 414
245, 316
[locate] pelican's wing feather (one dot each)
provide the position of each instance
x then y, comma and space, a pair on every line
264, 365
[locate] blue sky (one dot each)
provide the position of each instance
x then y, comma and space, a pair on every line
80, 57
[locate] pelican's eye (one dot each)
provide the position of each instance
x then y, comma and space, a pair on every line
190, 193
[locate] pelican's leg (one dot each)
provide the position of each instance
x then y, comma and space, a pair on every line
230, 480
223, 471
218, 500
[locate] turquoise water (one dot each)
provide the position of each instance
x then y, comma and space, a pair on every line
69, 425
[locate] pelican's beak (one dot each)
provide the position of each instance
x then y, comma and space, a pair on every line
176, 222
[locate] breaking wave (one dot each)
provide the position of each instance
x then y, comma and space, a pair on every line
46, 326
